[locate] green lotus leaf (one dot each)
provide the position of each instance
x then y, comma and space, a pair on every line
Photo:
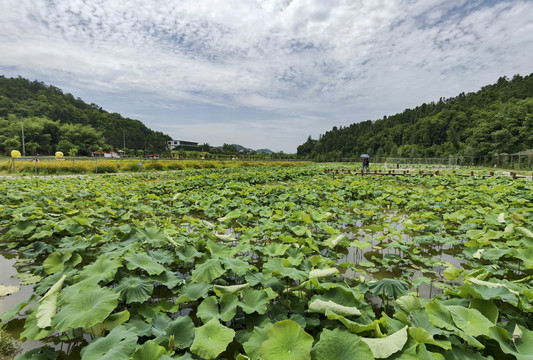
238, 266
452, 273
135, 260
208, 309
322, 273
275, 249
31, 330
228, 306
119, 344
422, 336
384, 347
193, 291
335, 240
84, 307
110, 323
207, 271
283, 267
153, 235
226, 237
135, 289
409, 303
28, 279
230, 289
353, 326
182, 328
300, 230
521, 345
150, 350
488, 291
48, 304
340, 345
59, 261
103, 269
162, 256
234, 214
470, 321
42, 353
392, 288
254, 301
211, 339
169, 279
526, 255
8, 290
440, 316
256, 338
320, 306
21, 229
286, 340
525, 232
488, 308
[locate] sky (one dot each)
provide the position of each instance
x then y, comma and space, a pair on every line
264, 73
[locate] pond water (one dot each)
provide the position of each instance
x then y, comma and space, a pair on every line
8, 277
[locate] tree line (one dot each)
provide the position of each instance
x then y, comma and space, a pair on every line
494, 120
56, 121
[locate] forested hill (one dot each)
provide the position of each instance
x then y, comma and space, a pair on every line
496, 119
54, 120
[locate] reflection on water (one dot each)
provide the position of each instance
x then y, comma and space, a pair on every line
8, 277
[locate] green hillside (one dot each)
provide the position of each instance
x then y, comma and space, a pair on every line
54, 120
496, 119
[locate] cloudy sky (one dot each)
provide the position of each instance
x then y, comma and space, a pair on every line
264, 73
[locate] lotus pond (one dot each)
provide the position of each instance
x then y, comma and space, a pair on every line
269, 263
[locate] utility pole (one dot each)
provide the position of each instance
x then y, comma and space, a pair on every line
124, 141
23, 144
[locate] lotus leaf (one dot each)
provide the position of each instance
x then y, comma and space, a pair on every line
207, 271
384, 347
286, 340
322, 273
321, 306
409, 303
182, 328
488, 308
153, 235
59, 261
340, 345
119, 344
135, 289
422, 336
193, 291
211, 339
136, 260
42, 353
254, 341
150, 350
84, 307
230, 289
391, 288
470, 320
48, 304
254, 301
8, 290
103, 269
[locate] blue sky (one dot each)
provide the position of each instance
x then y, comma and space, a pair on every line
263, 73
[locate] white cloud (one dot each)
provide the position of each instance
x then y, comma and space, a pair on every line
341, 61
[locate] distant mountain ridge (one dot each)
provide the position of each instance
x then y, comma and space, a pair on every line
496, 119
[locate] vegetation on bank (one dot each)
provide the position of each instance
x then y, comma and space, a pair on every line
496, 119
